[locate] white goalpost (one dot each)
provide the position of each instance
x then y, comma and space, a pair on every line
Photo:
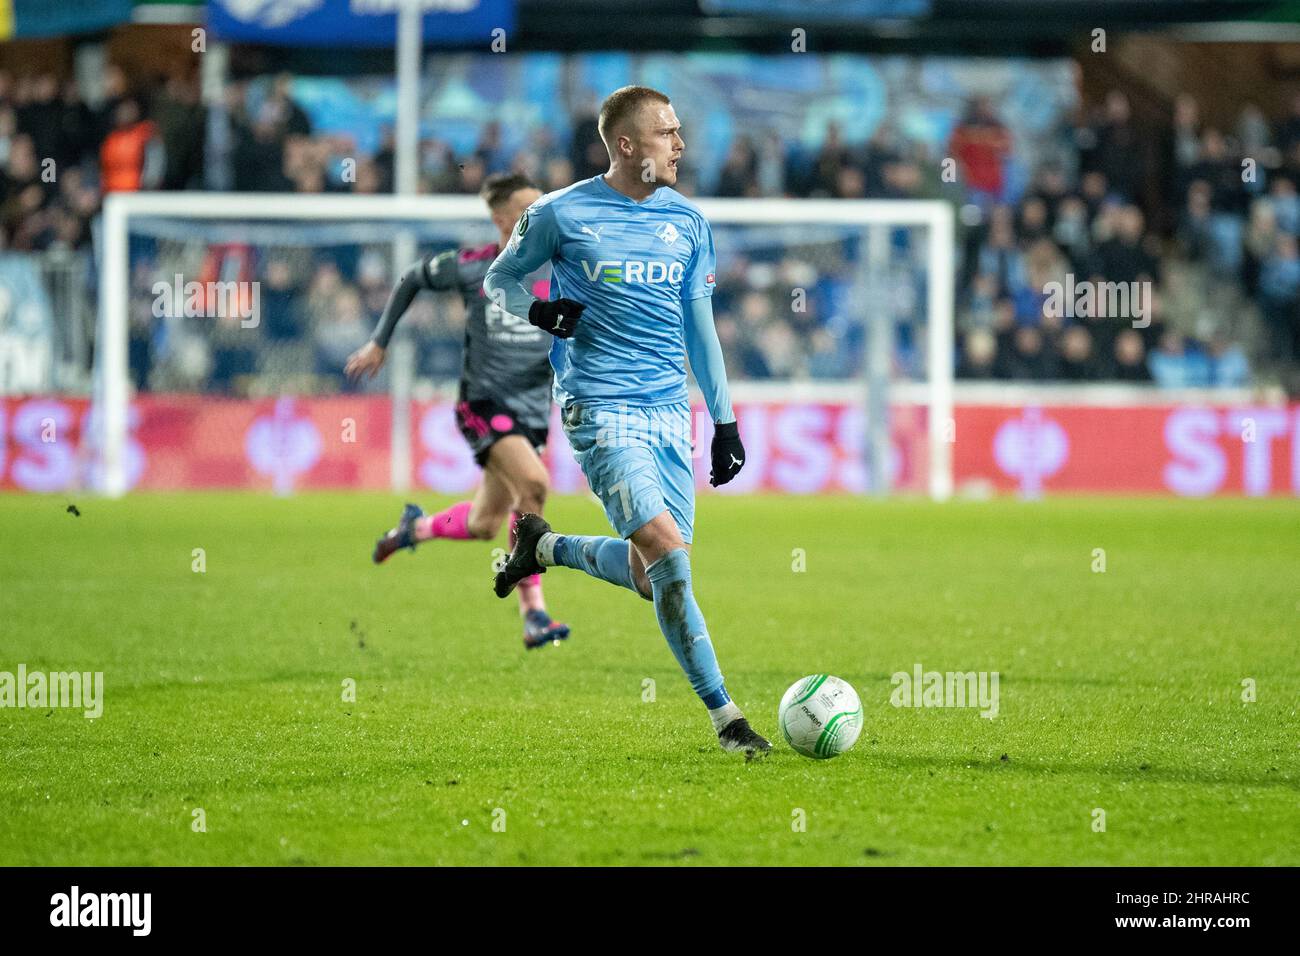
874, 217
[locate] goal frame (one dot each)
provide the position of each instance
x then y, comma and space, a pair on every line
112, 379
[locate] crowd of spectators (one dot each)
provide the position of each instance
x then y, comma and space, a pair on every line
1083, 219
1085, 216
58, 155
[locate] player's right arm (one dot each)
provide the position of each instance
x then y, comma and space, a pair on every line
438, 272
535, 240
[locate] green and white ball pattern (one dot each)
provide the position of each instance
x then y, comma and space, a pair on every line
821, 716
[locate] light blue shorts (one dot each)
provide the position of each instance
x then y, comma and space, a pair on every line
637, 460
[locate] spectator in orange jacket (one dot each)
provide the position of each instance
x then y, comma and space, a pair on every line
131, 157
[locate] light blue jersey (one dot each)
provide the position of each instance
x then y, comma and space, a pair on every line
635, 265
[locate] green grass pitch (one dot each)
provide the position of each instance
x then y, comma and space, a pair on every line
223, 690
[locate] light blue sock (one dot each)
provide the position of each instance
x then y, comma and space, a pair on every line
683, 625
601, 557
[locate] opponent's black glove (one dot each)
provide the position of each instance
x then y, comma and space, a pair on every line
728, 454
559, 317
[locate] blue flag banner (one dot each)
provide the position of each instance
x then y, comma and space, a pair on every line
356, 23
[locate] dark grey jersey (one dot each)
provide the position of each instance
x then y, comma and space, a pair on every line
506, 359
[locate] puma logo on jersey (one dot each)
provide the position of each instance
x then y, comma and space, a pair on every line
592, 232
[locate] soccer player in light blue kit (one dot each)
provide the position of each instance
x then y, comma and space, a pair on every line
632, 265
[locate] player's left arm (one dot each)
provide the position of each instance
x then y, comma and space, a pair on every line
704, 352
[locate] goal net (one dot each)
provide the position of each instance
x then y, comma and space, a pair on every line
225, 320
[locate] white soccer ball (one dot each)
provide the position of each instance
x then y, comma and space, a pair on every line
821, 716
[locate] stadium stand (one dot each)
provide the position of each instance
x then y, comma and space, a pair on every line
1044, 192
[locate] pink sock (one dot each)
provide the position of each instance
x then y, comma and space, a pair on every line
530, 588
452, 523
530, 594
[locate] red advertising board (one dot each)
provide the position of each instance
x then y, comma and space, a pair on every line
1187, 450
802, 447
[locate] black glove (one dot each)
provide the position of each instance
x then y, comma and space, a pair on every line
728, 454
559, 318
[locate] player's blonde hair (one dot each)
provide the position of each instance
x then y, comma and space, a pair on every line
620, 106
